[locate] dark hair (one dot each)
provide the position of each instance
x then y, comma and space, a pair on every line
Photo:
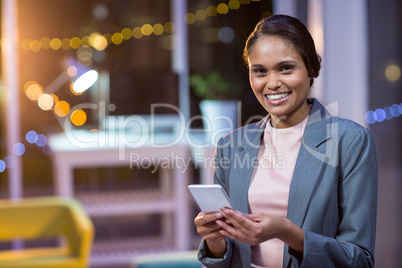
292, 30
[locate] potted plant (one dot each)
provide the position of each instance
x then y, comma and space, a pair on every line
219, 102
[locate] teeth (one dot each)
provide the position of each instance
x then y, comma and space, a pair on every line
277, 96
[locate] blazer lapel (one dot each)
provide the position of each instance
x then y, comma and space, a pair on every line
309, 165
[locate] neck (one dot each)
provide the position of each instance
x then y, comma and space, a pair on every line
292, 119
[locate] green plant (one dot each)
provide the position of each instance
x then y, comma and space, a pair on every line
214, 86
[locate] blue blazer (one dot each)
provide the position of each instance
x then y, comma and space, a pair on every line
333, 193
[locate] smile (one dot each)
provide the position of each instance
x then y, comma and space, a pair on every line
277, 96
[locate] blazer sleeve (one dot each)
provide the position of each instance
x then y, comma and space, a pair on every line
221, 176
353, 245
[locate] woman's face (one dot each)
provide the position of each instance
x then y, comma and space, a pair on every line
279, 80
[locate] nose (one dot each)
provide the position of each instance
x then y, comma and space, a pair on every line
273, 82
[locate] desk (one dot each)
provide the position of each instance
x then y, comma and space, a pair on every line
106, 149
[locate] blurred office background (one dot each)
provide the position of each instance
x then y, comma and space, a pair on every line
145, 52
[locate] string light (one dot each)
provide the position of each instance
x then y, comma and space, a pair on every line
102, 41
380, 115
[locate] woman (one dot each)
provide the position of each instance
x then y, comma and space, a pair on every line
303, 183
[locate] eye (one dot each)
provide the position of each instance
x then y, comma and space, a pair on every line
286, 68
259, 71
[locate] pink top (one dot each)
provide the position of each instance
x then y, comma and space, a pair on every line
270, 183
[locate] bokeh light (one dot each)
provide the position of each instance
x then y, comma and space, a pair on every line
117, 38
26, 44
55, 43
97, 41
189, 18
226, 34
33, 90
61, 108
85, 81
158, 29
137, 33
147, 29
35, 45
200, 15
169, 27
45, 102
31, 136
222, 8
78, 117
234, 4
380, 115
75, 42
47, 151
2, 165
211, 11
393, 72
41, 141
19, 149
126, 33
65, 44
45, 42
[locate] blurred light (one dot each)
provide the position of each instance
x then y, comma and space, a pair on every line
45, 41
85, 81
78, 117
2, 165
234, 4
146, 29
26, 44
97, 41
200, 15
75, 42
55, 98
126, 33
222, 8
389, 113
72, 71
396, 110
158, 29
211, 11
65, 44
370, 117
380, 115
19, 149
93, 130
226, 34
84, 54
137, 34
117, 38
55, 43
35, 45
169, 27
42, 140
33, 90
85, 41
61, 108
400, 109
392, 72
9, 162
100, 12
31, 136
45, 102
189, 18
47, 151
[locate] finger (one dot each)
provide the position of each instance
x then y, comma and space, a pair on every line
203, 219
237, 219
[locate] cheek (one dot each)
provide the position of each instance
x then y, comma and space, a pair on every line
257, 85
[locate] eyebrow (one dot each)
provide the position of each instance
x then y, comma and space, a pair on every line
276, 65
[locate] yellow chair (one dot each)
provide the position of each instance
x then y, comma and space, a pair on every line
43, 218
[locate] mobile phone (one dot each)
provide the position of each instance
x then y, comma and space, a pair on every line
210, 197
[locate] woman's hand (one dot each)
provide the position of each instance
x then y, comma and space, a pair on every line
209, 230
254, 229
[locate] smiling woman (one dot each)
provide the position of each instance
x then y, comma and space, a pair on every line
304, 213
